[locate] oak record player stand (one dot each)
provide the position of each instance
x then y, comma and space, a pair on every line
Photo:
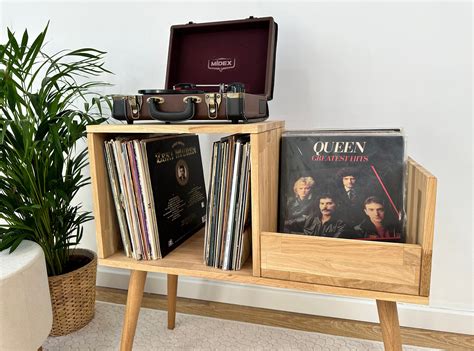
340, 267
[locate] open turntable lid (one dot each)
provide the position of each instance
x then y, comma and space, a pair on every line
224, 52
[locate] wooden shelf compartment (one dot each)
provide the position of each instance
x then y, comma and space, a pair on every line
187, 259
375, 266
264, 139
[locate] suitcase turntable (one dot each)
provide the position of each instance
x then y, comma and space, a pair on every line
236, 58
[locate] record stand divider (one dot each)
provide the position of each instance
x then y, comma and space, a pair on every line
337, 266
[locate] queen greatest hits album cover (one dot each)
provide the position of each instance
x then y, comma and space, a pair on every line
343, 184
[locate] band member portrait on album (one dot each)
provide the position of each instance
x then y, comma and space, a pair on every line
325, 222
374, 225
347, 209
299, 206
182, 172
351, 192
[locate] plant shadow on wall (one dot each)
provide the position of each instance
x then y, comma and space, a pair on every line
40, 168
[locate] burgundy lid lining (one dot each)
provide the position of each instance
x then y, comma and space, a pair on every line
223, 52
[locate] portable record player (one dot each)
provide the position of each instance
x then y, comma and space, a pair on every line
221, 71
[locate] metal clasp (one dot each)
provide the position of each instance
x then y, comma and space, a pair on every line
135, 103
213, 101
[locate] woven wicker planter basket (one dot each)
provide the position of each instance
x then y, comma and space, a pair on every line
73, 296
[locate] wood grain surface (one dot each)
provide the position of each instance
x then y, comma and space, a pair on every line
265, 155
421, 206
132, 308
208, 128
187, 260
359, 264
388, 317
107, 229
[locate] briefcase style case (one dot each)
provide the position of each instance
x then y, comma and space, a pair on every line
217, 71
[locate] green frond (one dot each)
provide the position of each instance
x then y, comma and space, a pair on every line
40, 168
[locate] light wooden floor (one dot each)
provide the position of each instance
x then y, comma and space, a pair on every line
333, 326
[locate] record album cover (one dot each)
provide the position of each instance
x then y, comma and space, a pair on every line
177, 183
343, 184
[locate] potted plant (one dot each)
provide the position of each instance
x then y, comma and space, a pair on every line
46, 102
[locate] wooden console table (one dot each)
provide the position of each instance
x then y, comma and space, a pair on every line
344, 267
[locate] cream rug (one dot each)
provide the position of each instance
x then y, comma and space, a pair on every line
198, 333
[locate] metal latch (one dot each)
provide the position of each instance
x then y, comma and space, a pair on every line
135, 103
213, 101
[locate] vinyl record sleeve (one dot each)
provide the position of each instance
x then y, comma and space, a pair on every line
118, 197
356, 178
179, 193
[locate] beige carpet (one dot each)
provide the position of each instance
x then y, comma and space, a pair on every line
198, 333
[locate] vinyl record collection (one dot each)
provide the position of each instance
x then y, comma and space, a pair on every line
227, 242
159, 194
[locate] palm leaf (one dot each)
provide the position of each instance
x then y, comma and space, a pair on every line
40, 170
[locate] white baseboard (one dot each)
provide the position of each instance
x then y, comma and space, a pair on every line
414, 316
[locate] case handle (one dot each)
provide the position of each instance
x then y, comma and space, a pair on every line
187, 113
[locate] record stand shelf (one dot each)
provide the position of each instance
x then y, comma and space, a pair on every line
385, 272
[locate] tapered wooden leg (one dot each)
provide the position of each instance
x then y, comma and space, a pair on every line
132, 309
172, 291
388, 316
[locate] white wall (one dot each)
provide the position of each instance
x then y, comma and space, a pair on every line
354, 64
